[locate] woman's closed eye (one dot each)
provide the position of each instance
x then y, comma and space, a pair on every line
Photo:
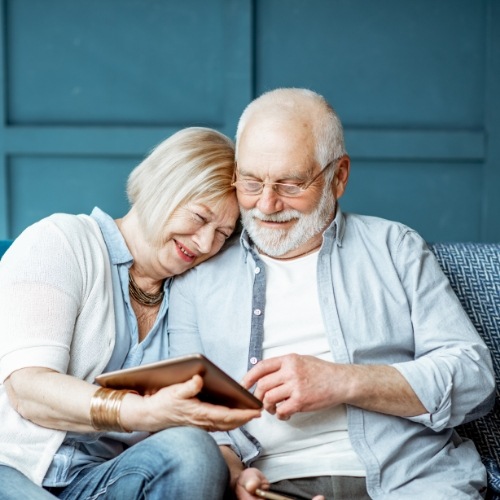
200, 218
223, 234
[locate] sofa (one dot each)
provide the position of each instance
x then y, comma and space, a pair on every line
473, 270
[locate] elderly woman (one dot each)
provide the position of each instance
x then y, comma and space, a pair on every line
82, 295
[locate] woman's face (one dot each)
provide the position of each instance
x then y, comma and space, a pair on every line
195, 232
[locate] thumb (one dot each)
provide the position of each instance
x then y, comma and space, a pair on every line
252, 484
190, 388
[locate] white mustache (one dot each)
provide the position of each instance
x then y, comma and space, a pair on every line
285, 216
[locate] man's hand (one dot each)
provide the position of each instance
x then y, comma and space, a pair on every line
293, 383
248, 481
252, 479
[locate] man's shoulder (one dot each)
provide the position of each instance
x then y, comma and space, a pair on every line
223, 263
232, 250
372, 221
377, 227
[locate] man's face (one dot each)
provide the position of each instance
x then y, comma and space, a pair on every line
276, 151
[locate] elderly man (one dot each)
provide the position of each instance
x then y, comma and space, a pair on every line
345, 325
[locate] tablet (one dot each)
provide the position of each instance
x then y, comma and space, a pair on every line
218, 387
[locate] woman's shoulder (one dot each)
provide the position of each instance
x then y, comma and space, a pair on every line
62, 227
58, 240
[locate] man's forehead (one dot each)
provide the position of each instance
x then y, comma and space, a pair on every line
276, 147
276, 170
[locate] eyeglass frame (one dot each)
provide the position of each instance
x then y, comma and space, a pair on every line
301, 188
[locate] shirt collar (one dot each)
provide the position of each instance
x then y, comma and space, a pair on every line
117, 248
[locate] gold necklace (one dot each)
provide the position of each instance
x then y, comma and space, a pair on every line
144, 298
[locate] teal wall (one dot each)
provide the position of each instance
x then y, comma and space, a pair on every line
90, 86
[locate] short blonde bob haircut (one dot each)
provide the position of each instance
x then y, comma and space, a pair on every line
195, 163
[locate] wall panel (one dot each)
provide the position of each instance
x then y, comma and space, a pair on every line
42, 185
90, 86
410, 82
144, 62
386, 63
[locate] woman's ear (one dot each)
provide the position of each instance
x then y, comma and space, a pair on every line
341, 176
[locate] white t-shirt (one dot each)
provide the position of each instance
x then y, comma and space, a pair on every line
309, 443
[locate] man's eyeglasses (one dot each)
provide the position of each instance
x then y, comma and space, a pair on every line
254, 188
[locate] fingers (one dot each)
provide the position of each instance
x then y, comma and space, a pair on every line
271, 398
190, 388
260, 370
225, 419
179, 405
296, 383
249, 480
218, 418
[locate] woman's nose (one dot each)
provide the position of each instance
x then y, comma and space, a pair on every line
204, 239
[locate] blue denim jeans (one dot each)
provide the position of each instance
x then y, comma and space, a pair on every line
180, 463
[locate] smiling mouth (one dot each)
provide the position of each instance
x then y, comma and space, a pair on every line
184, 251
274, 222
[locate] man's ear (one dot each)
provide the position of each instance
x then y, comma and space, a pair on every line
341, 176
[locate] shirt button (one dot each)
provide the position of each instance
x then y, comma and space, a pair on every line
253, 361
257, 312
257, 270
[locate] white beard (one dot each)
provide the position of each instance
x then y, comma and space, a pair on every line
278, 242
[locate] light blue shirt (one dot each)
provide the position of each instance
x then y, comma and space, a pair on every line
384, 300
81, 450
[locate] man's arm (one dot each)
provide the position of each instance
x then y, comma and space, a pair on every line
449, 379
243, 481
293, 383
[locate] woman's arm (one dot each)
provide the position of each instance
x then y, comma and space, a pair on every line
51, 399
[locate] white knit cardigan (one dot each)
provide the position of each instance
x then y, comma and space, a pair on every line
56, 311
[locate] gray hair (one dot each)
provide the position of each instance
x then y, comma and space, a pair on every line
195, 163
325, 123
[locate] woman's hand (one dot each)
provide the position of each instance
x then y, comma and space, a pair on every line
59, 401
177, 405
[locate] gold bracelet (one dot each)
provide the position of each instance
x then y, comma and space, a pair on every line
105, 407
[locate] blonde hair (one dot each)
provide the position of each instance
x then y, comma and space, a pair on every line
326, 126
194, 163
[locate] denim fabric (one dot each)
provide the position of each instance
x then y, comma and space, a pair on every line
384, 300
15, 485
180, 463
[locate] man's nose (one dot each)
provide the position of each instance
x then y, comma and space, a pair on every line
269, 201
